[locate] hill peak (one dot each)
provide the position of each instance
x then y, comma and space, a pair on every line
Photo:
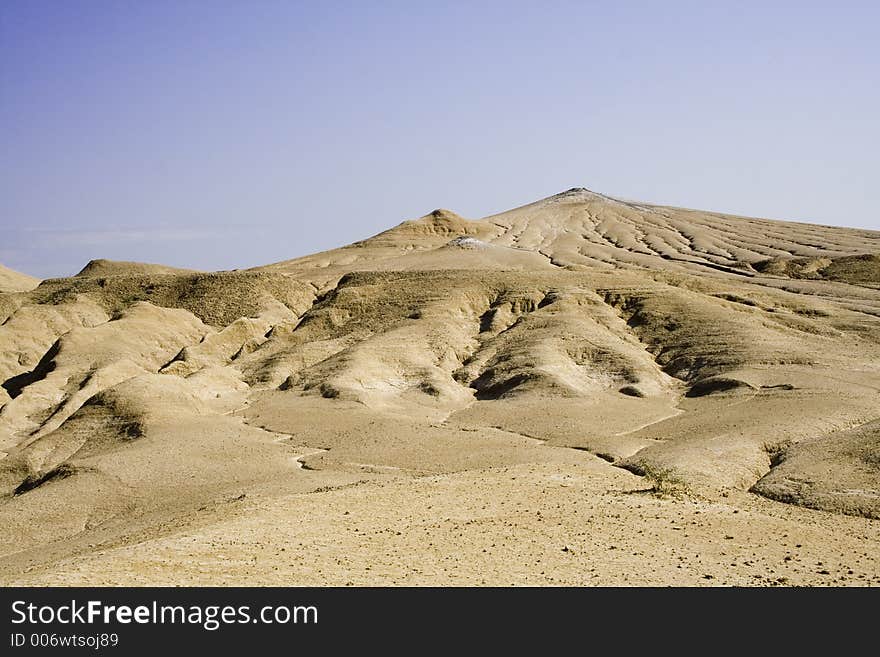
443, 214
581, 193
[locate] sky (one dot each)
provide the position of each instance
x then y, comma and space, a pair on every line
220, 135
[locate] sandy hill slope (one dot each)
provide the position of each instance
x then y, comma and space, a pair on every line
13, 281
579, 229
580, 377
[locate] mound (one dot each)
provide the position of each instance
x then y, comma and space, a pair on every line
13, 281
839, 472
103, 267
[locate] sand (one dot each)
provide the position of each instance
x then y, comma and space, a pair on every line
583, 390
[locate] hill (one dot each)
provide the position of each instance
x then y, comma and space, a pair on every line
580, 390
13, 281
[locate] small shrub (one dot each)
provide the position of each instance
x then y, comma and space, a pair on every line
664, 481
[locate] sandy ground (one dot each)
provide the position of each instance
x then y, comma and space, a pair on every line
568, 524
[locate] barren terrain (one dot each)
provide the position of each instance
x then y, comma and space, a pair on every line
583, 390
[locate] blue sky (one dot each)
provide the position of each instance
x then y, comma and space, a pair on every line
218, 135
